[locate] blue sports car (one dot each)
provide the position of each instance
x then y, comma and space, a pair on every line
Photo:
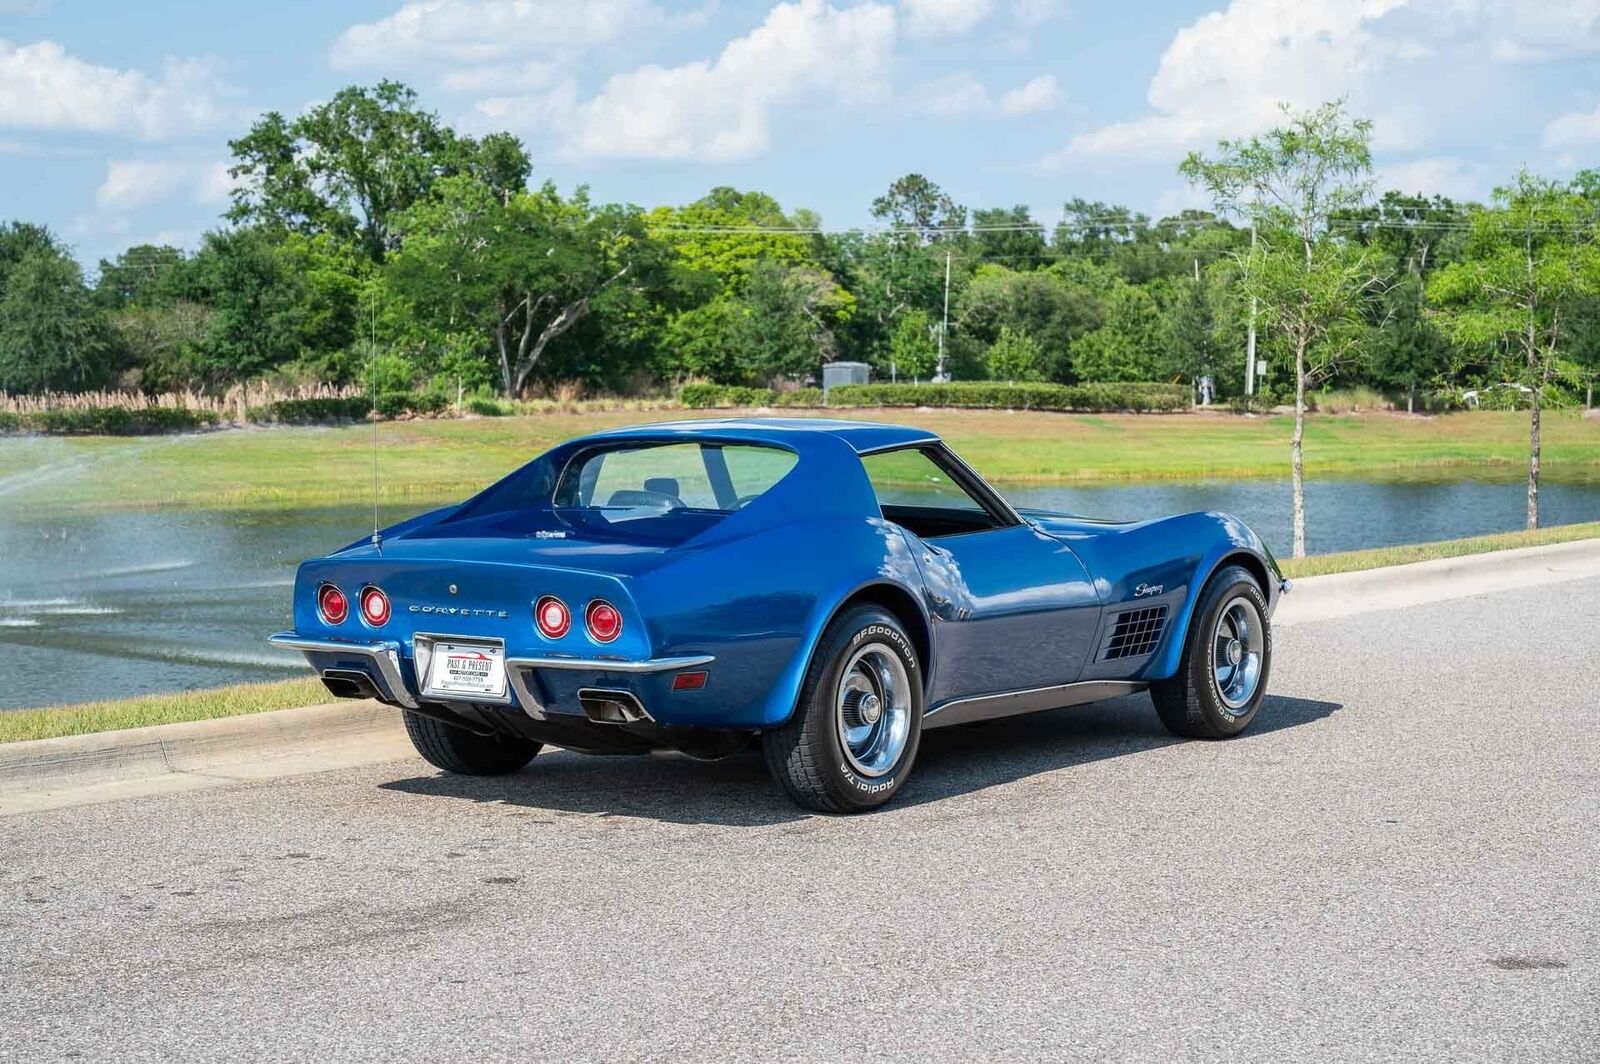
827, 589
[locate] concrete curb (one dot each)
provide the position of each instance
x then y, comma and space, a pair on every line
85, 769
81, 769
1325, 598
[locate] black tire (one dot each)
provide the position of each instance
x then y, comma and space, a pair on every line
1191, 703
807, 755
467, 753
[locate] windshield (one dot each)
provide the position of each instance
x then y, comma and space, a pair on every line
649, 492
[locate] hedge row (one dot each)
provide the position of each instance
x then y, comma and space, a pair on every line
108, 421
705, 396
306, 411
983, 395
992, 395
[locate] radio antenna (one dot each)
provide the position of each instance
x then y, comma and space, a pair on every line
372, 390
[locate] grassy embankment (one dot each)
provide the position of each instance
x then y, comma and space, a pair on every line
431, 462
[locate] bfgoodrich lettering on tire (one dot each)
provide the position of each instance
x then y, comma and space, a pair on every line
1222, 676
853, 736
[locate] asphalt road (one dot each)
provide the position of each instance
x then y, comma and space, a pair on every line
1402, 860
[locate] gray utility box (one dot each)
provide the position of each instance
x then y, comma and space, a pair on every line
837, 373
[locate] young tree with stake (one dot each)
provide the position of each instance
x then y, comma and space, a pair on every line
1310, 285
1511, 303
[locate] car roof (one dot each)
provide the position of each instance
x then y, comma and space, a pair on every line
862, 436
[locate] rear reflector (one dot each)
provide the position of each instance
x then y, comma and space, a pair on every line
332, 604
689, 681
552, 617
374, 606
603, 621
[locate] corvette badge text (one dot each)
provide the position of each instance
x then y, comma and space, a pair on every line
459, 611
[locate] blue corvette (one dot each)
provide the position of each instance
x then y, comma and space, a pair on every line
827, 588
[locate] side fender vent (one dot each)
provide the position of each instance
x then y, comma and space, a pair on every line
1135, 633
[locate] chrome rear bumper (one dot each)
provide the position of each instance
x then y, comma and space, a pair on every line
384, 657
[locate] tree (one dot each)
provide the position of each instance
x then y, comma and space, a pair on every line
20, 239
914, 203
1128, 346
523, 271
1510, 303
1014, 356
146, 275
1310, 285
1054, 307
1189, 327
52, 336
912, 347
790, 314
729, 255
1417, 234
351, 165
1009, 237
257, 306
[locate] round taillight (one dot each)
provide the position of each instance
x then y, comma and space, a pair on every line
552, 617
374, 606
332, 604
603, 620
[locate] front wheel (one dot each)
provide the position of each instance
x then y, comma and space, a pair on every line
853, 737
467, 753
1222, 676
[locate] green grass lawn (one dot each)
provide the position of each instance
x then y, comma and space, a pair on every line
19, 724
423, 462
1378, 557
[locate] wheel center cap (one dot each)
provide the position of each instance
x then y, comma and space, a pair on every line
1235, 652
871, 708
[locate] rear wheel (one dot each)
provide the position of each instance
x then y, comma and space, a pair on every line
853, 736
467, 753
1222, 676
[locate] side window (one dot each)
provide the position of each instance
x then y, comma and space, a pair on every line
752, 471
917, 493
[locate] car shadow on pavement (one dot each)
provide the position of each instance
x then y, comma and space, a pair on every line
737, 792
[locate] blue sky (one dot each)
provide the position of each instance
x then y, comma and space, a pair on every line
114, 118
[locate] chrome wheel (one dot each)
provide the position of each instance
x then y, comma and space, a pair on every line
872, 709
1240, 644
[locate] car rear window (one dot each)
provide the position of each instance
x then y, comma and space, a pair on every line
652, 492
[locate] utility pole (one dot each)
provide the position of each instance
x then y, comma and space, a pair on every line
944, 325
1250, 342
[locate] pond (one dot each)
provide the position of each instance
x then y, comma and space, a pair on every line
103, 604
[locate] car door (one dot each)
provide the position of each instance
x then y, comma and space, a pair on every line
1013, 608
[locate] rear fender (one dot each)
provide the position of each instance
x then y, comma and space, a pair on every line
898, 571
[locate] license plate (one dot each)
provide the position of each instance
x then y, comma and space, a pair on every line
468, 669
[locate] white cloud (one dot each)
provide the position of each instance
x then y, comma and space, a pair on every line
1458, 179
493, 32
1043, 93
1572, 130
1033, 12
950, 97
960, 95
720, 110
501, 77
944, 18
1224, 74
43, 87
133, 183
